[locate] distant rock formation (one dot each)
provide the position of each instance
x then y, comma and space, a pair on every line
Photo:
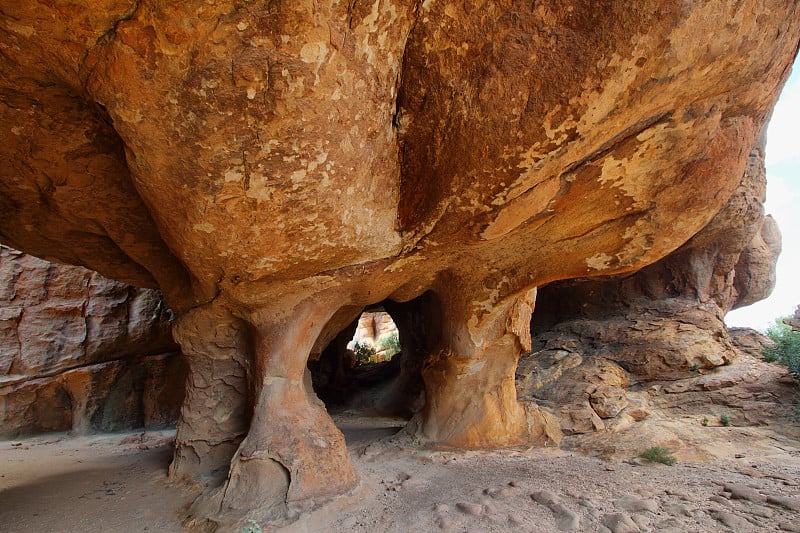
794, 322
83, 353
373, 326
277, 167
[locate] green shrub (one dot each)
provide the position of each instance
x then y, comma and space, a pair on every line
364, 353
786, 349
725, 420
251, 526
390, 343
657, 454
705, 421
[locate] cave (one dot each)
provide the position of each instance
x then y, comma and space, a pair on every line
373, 366
275, 168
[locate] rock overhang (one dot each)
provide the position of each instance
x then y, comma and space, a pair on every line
271, 164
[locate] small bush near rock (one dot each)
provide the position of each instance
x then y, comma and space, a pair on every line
725, 420
390, 343
786, 349
364, 353
251, 526
657, 454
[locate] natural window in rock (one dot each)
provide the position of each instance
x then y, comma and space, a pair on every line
370, 360
357, 369
376, 339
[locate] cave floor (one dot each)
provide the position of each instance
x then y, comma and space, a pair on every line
118, 483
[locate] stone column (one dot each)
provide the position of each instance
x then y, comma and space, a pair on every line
216, 412
469, 381
293, 458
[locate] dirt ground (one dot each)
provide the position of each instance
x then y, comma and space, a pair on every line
742, 478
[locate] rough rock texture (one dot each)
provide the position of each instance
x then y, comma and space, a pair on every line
666, 319
662, 322
749, 341
277, 167
80, 352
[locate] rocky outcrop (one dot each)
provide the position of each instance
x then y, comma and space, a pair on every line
277, 167
80, 352
663, 322
372, 326
749, 341
666, 319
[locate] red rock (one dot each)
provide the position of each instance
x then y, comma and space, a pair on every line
275, 168
80, 352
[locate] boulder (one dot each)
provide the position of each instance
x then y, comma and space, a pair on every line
794, 321
277, 167
749, 341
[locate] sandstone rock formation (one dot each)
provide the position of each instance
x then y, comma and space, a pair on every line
662, 322
277, 167
80, 352
372, 326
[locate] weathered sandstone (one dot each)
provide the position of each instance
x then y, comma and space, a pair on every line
80, 352
277, 167
663, 322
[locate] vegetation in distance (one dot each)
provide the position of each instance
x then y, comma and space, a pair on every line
786, 350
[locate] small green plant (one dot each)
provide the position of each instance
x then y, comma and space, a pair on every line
251, 526
364, 353
786, 347
390, 343
725, 420
657, 454
705, 421
695, 367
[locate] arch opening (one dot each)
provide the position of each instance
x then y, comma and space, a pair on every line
373, 366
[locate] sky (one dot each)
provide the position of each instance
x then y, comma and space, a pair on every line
783, 203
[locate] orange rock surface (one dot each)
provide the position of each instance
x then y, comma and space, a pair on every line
276, 167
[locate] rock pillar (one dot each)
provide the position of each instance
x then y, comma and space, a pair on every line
215, 414
293, 457
479, 352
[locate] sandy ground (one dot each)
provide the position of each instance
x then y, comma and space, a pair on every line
743, 478
118, 483
91, 484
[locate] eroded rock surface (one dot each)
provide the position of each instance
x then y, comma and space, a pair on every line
663, 322
80, 352
277, 167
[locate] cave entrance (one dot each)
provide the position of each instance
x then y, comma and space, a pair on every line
356, 371
371, 363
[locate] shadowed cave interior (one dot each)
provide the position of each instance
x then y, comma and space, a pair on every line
375, 396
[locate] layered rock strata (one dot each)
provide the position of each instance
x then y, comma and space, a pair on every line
83, 353
663, 322
277, 167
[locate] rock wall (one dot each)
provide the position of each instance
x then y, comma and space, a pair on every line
83, 353
277, 167
663, 322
